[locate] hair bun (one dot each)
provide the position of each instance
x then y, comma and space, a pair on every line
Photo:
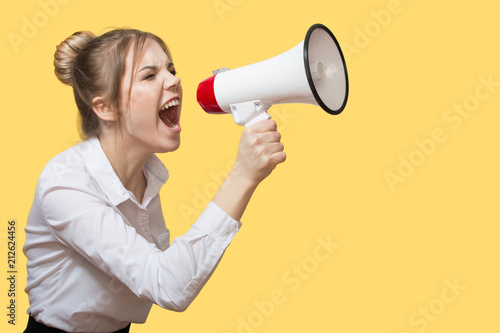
66, 53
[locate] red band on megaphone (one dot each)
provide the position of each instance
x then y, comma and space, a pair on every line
206, 96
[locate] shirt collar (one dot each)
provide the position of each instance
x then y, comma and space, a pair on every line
102, 171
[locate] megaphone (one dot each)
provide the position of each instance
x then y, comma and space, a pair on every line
313, 72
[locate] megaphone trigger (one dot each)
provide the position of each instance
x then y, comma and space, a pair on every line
249, 113
220, 70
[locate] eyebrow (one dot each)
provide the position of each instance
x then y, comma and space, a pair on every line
154, 67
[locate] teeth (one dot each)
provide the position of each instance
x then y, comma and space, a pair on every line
171, 123
170, 104
166, 106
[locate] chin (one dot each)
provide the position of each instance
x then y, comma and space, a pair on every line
171, 147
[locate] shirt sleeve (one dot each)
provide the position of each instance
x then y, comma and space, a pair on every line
85, 222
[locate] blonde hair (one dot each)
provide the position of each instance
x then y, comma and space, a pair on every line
94, 66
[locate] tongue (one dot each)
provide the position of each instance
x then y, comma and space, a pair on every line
164, 116
169, 123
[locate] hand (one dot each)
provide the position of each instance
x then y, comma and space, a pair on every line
259, 152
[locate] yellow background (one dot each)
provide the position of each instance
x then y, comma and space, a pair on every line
399, 246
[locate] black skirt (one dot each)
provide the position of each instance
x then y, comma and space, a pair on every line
36, 327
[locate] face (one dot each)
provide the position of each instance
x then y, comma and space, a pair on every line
150, 123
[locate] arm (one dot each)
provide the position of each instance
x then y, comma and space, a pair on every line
88, 224
259, 152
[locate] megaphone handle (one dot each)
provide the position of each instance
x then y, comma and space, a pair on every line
248, 113
261, 116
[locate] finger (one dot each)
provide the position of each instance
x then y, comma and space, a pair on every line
272, 148
268, 137
264, 125
277, 158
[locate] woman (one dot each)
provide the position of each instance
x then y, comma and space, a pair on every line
98, 250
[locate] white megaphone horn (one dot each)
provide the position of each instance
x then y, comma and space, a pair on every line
313, 72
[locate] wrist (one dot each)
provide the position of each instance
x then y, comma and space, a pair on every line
234, 194
235, 177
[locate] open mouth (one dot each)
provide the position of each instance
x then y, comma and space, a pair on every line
169, 114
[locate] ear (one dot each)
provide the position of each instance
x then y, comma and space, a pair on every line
102, 109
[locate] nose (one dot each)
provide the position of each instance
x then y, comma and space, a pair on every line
170, 81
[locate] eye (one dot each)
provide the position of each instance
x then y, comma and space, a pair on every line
173, 72
150, 76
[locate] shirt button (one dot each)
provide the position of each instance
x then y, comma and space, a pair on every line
146, 228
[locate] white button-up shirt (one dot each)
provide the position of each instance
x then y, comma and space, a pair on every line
98, 259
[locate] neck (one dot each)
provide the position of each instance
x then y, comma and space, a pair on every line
127, 162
